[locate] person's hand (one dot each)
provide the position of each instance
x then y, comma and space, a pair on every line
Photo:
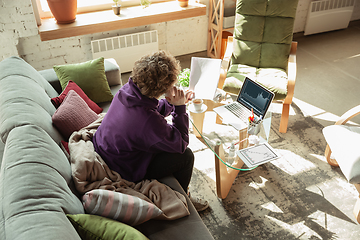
189, 95
175, 96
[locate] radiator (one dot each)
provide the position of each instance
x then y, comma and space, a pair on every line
126, 49
328, 15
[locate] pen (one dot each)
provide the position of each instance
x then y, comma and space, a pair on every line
238, 142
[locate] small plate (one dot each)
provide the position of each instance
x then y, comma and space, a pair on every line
192, 108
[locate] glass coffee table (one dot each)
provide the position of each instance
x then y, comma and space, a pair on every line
219, 138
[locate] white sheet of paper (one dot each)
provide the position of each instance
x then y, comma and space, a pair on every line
204, 76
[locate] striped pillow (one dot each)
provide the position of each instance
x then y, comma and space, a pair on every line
122, 207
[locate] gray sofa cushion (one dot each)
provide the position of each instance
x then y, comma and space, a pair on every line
17, 66
344, 144
35, 194
25, 98
189, 227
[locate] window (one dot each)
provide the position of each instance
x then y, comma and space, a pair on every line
88, 6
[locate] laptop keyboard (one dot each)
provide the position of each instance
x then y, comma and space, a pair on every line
239, 111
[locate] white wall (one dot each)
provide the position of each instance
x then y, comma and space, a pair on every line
19, 35
302, 11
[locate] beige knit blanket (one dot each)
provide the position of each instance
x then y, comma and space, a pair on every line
90, 172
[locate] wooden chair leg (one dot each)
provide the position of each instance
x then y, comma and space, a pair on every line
284, 118
332, 162
356, 210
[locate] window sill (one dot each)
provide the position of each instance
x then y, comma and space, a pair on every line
94, 22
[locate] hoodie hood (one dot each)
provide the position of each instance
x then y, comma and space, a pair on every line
130, 96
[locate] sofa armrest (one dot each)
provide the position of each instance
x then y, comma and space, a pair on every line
112, 71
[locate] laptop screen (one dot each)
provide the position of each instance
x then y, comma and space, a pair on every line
256, 97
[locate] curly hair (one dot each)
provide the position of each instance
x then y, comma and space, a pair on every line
155, 73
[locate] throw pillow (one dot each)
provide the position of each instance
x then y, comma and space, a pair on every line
122, 207
89, 76
65, 146
72, 115
56, 101
92, 227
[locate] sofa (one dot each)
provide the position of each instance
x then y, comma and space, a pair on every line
343, 150
37, 192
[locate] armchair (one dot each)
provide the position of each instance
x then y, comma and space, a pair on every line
262, 49
343, 150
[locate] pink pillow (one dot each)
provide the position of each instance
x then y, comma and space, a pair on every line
72, 115
56, 101
119, 206
65, 146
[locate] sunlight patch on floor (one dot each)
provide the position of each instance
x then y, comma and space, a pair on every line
272, 207
354, 56
258, 185
320, 157
312, 111
298, 165
322, 188
302, 231
205, 162
276, 107
324, 117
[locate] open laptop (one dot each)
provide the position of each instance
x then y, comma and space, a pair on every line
252, 96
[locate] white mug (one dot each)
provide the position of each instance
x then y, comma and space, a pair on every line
197, 104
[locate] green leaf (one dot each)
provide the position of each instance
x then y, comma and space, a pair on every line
184, 77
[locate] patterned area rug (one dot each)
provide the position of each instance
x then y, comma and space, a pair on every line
299, 196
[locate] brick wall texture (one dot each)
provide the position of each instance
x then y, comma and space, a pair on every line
19, 35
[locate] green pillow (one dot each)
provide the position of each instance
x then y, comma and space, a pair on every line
89, 76
95, 227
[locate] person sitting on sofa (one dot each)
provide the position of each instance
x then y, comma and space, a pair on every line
135, 139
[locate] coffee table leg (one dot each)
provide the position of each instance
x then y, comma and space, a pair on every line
198, 119
243, 134
225, 175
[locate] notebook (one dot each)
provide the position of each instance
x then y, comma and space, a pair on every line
204, 77
252, 96
257, 155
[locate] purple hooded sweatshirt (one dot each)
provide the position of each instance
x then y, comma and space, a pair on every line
134, 130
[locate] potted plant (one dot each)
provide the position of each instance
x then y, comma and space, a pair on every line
145, 3
183, 3
64, 11
116, 7
184, 78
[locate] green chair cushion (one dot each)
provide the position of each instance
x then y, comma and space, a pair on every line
263, 34
274, 55
280, 8
274, 79
278, 30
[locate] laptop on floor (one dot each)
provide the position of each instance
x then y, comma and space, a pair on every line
252, 96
